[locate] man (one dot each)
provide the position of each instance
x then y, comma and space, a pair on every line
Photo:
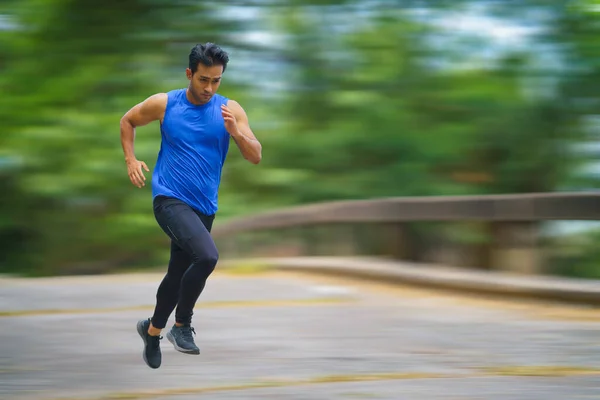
196, 125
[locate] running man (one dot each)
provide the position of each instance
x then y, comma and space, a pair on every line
196, 125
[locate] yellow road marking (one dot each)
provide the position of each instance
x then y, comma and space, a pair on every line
135, 395
540, 370
537, 371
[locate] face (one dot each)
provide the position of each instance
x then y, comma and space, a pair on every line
204, 82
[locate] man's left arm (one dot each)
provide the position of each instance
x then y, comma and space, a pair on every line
236, 123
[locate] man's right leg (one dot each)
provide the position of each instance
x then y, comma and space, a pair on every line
167, 294
166, 301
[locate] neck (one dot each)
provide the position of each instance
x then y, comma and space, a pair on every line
192, 99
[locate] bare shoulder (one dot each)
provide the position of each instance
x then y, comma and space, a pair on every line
151, 109
154, 107
236, 108
157, 101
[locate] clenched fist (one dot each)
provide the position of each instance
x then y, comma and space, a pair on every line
230, 120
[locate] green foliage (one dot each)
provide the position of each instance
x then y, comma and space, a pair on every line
579, 256
374, 104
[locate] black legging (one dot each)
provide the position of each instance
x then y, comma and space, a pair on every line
193, 258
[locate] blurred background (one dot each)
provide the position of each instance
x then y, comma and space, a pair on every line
357, 99
350, 99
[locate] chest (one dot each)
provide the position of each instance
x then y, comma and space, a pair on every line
198, 128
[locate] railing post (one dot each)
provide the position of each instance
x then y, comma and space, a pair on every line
515, 247
339, 240
399, 242
307, 235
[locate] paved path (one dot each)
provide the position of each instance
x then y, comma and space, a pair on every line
291, 336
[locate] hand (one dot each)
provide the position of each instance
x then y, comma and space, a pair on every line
230, 121
136, 174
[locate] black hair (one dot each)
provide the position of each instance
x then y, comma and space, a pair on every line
208, 54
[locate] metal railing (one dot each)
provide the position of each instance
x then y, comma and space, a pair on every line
509, 224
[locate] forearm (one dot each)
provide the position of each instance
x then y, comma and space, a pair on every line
127, 139
250, 148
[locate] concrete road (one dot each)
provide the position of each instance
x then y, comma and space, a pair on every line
291, 336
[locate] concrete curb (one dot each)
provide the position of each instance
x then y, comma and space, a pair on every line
578, 291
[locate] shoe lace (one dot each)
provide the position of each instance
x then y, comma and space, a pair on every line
154, 341
186, 333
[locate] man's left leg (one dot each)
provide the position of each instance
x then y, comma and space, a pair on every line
190, 232
167, 293
204, 256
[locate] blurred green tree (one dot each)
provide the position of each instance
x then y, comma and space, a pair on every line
376, 100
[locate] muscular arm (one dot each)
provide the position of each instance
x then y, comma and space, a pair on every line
243, 136
151, 109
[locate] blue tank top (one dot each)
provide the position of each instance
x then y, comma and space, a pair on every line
193, 149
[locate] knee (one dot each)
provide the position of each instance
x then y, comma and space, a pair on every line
211, 258
207, 261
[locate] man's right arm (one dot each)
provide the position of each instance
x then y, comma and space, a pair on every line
151, 109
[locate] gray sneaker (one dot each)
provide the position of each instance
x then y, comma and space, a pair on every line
152, 355
182, 339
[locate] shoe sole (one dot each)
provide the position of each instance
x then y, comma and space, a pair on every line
171, 339
140, 329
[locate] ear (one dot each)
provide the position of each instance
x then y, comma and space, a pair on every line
188, 73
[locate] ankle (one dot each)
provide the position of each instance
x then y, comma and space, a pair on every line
152, 331
179, 324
